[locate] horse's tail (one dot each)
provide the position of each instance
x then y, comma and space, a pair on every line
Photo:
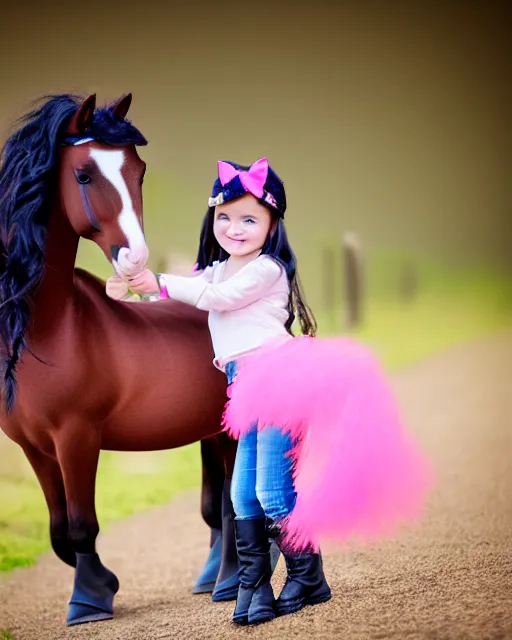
358, 473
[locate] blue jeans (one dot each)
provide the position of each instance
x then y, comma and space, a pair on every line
262, 484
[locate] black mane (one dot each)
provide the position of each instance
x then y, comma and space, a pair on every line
27, 178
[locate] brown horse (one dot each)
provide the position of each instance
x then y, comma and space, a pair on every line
82, 372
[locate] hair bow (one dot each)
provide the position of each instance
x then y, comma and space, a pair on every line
253, 180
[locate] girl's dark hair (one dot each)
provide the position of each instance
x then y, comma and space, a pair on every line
276, 246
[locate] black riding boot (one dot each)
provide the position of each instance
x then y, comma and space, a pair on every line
255, 601
305, 582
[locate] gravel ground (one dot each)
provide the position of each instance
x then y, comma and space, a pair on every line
451, 577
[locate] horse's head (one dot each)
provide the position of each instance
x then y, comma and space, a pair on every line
100, 182
68, 165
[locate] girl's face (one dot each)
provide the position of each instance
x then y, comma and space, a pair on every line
241, 226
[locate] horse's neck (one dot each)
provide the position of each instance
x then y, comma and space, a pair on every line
57, 285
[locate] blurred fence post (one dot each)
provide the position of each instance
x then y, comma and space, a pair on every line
407, 281
352, 260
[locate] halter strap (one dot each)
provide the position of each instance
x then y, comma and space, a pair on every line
74, 141
88, 209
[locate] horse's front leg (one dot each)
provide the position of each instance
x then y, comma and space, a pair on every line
226, 587
220, 573
211, 510
49, 475
78, 447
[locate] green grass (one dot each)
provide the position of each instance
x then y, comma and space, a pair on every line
6, 635
401, 337
127, 483
452, 305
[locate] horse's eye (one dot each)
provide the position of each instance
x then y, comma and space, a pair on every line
83, 178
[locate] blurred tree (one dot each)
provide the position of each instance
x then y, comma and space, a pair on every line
352, 260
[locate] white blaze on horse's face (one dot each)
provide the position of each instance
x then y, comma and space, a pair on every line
132, 260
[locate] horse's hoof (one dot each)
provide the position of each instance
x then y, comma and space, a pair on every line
93, 592
81, 613
227, 589
204, 587
206, 581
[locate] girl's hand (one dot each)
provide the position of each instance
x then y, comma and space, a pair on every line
145, 282
116, 288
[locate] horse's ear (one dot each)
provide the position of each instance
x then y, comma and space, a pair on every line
121, 106
83, 116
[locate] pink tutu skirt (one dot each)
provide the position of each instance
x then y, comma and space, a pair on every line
357, 472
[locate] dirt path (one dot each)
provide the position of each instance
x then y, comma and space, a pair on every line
449, 578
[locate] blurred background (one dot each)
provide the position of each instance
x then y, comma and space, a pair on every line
389, 123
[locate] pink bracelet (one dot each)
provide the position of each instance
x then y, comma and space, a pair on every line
164, 294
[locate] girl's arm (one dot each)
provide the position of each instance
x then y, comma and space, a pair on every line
147, 285
248, 285
206, 273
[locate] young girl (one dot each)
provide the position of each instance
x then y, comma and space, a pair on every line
321, 450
